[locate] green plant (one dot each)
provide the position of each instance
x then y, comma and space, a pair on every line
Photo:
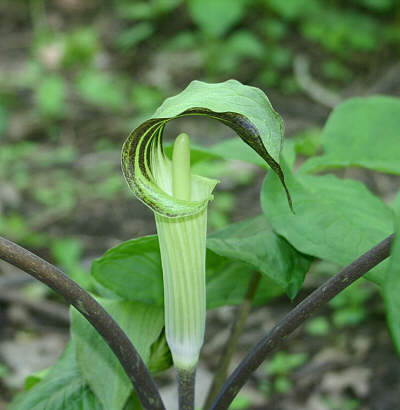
279, 368
135, 280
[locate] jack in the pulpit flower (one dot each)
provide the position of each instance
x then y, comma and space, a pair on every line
179, 199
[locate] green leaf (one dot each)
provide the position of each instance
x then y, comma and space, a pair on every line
62, 388
336, 219
245, 109
361, 132
133, 270
391, 289
215, 18
254, 242
227, 283
160, 355
101, 369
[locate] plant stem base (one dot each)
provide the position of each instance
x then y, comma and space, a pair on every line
186, 384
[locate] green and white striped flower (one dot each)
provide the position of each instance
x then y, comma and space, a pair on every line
179, 199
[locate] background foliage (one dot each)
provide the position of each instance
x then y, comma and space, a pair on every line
76, 76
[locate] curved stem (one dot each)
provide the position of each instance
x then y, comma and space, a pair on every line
115, 337
186, 384
236, 330
296, 317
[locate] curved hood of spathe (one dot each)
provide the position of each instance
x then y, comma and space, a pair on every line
245, 109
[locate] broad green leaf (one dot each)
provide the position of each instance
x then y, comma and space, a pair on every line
253, 241
227, 283
215, 18
336, 219
245, 109
133, 270
361, 132
391, 289
101, 369
62, 388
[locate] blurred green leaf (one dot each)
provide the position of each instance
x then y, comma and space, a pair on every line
150, 9
50, 96
318, 326
101, 89
334, 69
81, 47
3, 370
292, 9
282, 384
282, 363
146, 98
68, 252
278, 56
308, 142
341, 32
133, 36
377, 5
3, 120
348, 317
269, 77
273, 28
363, 132
215, 18
242, 44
